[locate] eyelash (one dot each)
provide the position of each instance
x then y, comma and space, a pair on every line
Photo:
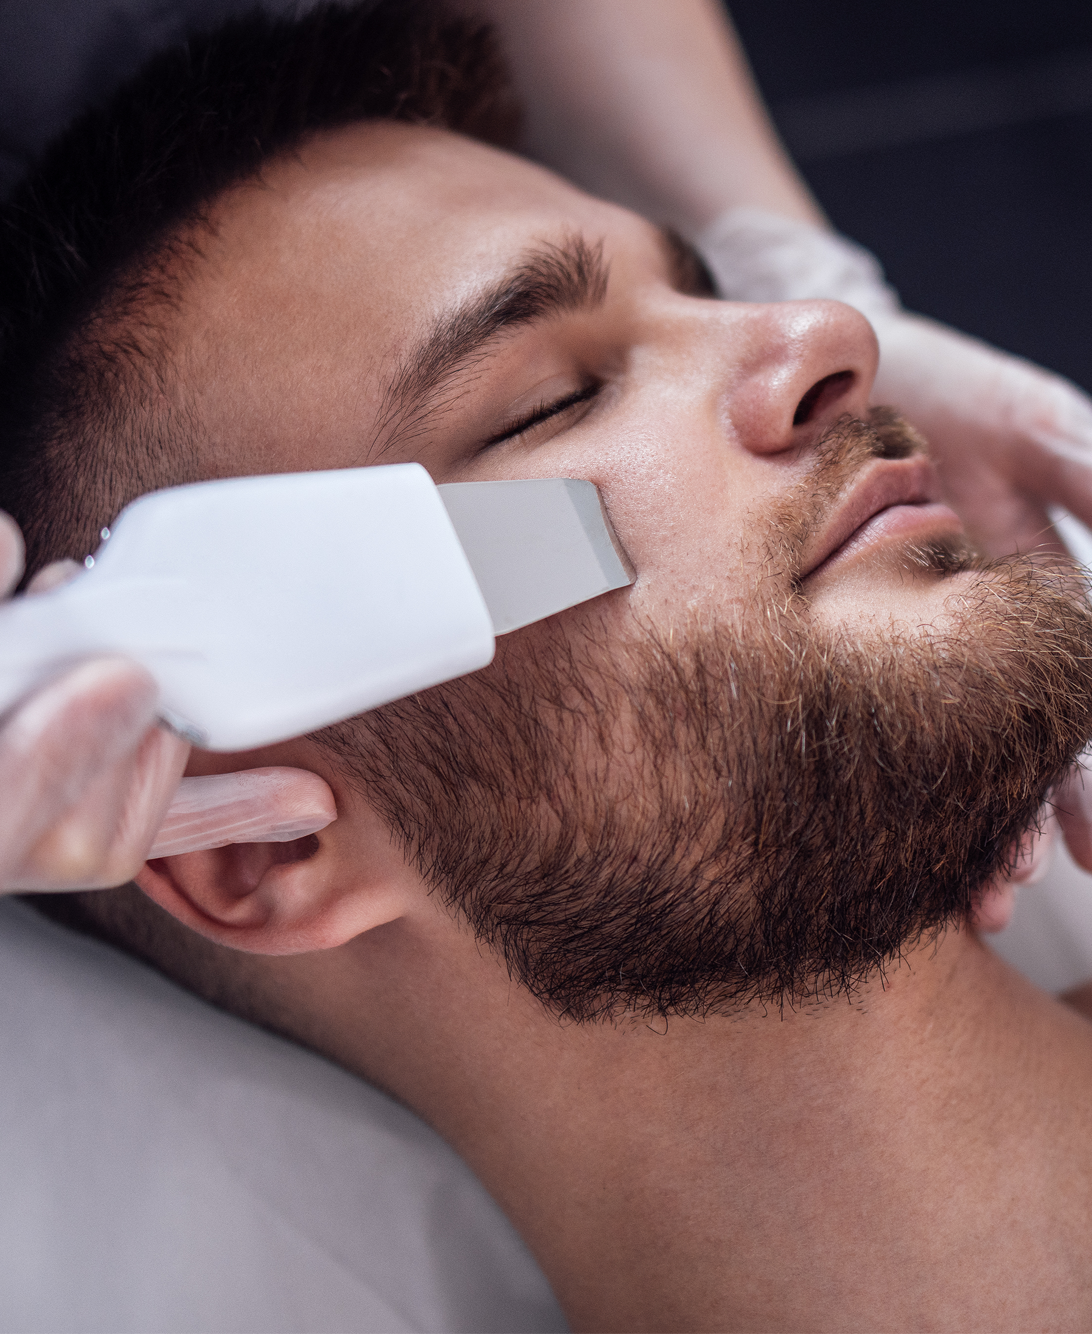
543, 413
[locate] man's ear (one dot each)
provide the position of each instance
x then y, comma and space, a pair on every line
289, 898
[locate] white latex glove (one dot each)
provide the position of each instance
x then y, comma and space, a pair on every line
1009, 439
87, 778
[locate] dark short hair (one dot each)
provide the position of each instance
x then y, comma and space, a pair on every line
84, 238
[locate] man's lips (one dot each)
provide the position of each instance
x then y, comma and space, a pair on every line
896, 498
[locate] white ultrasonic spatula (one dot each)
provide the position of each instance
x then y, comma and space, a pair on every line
267, 607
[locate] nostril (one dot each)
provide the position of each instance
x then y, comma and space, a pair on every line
830, 386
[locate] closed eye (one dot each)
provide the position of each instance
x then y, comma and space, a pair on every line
543, 413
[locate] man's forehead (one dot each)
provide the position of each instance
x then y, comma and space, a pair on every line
393, 220
423, 163
394, 202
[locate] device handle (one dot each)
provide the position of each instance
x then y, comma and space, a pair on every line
44, 634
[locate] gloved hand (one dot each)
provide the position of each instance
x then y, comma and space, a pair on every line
1009, 439
89, 784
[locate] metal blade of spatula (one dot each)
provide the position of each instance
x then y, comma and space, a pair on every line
536, 546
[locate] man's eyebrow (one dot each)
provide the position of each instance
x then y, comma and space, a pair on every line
548, 280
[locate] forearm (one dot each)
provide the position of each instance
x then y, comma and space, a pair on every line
648, 102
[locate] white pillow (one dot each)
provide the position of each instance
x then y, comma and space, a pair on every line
167, 1167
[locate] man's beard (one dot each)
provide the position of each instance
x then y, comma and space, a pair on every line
685, 822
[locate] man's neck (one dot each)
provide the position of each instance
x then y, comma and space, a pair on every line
917, 1158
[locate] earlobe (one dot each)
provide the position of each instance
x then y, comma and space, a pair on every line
277, 898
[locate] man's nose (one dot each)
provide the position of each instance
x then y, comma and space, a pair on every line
805, 364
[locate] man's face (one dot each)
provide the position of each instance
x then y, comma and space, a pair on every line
303, 333
748, 774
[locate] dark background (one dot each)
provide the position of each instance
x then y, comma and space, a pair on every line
955, 140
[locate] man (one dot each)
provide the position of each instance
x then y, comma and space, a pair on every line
660, 920
680, 134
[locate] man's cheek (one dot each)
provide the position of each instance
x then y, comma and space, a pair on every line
689, 524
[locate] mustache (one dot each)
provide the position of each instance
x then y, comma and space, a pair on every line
850, 442
843, 450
